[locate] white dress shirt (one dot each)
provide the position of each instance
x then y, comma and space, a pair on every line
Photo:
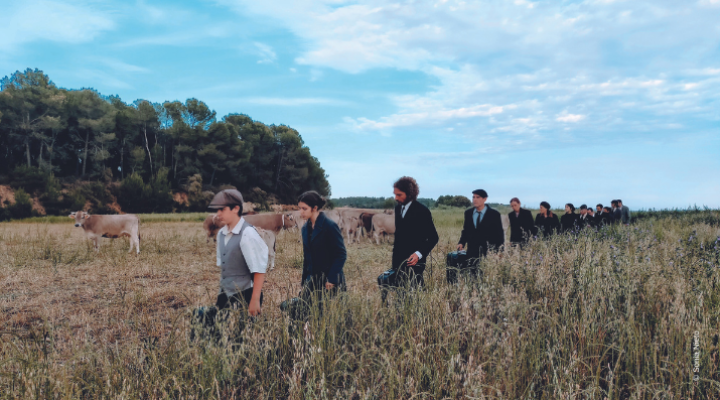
403, 211
253, 247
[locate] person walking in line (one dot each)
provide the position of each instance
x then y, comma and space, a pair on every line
482, 232
415, 237
616, 212
324, 255
599, 215
522, 227
624, 213
242, 256
568, 222
607, 217
546, 221
585, 219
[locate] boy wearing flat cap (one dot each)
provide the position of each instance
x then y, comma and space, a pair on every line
242, 255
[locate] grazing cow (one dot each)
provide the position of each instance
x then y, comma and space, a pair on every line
366, 219
334, 215
352, 227
212, 226
270, 221
383, 224
109, 226
269, 238
352, 221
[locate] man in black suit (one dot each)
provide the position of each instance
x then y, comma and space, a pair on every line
584, 219
415, 237
482, 231
522, 226
616, 212
599, 215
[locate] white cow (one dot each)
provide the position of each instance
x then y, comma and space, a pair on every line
269, 238
109, 226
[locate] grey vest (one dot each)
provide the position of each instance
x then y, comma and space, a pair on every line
235, 275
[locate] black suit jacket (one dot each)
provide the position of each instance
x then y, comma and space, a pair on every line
568, 222
415, 232
584, 223
548, 225
522, 226
488, 234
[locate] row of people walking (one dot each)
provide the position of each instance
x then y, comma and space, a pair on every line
242, 255
547, 222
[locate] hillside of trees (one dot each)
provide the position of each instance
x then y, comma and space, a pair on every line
374, 202
73, 147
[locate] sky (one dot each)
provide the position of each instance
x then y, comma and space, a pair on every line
558, 101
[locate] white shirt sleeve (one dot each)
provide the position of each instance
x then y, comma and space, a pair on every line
419, 254
255, 251
219, 261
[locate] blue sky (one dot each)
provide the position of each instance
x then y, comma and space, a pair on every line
564, 101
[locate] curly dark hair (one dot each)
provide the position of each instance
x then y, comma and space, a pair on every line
408, 186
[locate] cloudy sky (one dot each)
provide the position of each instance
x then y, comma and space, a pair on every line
564, 101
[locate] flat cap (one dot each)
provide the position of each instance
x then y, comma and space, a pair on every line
225, 198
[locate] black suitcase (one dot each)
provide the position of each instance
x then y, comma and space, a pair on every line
454, 263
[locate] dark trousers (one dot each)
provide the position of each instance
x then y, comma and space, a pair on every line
207, 316
237, 300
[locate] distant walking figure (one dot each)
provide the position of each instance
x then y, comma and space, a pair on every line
585, 218
522, 226
546, 221
616, 211
482, 231
415, 237
568, 222
624, 213
608, 217
599, 215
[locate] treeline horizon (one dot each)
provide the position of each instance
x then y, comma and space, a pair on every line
81, 135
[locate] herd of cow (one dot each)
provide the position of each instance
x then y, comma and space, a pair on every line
354, 222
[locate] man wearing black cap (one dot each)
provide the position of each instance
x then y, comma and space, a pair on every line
242, 255
482, 230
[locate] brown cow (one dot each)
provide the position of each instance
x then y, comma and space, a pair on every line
383, 224
109, 226
212, 226
271, 222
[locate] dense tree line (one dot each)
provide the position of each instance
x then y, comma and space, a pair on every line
374, 202
454, 201
82, 135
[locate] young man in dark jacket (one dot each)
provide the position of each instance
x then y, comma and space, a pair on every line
482, 231
415, 237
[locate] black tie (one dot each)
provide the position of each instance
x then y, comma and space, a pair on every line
402, 211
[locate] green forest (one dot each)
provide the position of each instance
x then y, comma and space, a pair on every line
72, 148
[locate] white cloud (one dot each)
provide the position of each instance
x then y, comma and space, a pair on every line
291, 101
28, 21
266, 53
512, 68
570, 118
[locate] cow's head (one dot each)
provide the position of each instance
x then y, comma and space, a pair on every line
79, 217
289, 221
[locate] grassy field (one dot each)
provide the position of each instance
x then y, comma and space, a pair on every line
626, 313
